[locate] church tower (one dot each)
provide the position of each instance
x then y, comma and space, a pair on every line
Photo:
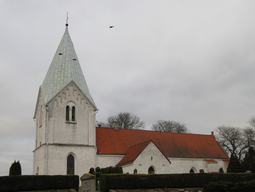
65, 117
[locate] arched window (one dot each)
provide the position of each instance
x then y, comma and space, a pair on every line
163, 167
67, 113
151, 170
193, 170
70, 112
135, 171
37, 171
73, 113
70, 165
140, 168
40, 117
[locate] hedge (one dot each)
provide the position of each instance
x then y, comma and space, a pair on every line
38, 182
224, 186
128, 181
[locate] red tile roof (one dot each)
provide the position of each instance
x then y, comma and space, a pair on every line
111, 141
134, 151
211, 161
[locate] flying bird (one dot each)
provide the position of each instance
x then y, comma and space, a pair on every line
111, 26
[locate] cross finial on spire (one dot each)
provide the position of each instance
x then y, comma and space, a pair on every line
67, 19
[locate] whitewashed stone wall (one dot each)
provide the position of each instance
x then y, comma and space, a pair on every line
82, 130
108, 160
151, 156
55, 161
183, 165
39, 165
56, 138
40, 122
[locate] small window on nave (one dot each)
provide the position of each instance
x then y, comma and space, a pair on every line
151, 170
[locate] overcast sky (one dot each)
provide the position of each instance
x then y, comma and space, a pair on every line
183, 60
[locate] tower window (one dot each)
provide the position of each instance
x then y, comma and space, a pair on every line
67, 113
73, 113
70, 165
70, 113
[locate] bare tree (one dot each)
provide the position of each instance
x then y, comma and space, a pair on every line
252, 122
249, 136
169, 126
126, 120
249, 133
233, 139
102, 124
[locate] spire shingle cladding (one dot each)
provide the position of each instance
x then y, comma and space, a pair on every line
64, 68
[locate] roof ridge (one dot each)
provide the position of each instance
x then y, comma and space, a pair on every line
162, 132
147, 141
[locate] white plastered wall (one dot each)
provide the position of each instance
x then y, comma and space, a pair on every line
80, 131
150, 156
183, 165
39, 165
55, 161
108, 160
56, 137
40, 122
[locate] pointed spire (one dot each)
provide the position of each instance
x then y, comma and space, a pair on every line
67, 19
64, 68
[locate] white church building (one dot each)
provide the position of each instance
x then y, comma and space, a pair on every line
67, 140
